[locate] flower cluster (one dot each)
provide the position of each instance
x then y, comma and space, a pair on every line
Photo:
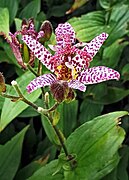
20, 50
71, 61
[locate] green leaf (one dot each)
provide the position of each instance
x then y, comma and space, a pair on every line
89, 110
112, 54
118, 22
51, 134
13, 109
89, 25
113, 95
12, 6
1, 102
4, 20
18, 23
47, 172
96, 144
105, 3
68, 114
10, 155
125, 72
30, 112
4, 57
120, 172
114, 22
31, 10
27, 171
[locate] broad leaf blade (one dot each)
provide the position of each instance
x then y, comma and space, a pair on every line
47, 172
4, 20
12, 6
96, 143
13, 109
10, 154
31, 9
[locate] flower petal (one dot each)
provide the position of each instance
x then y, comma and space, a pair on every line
98, 74
39, 51
41, 81
81, 60
94, 45
15, 46
63, 31
75, 84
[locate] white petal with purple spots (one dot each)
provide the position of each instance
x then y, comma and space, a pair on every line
93, 46
98, 74
75, 84
41, 81
39, 51
62, 31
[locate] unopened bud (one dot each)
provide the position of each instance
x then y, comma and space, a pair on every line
2, 83
26, 56
41, 110
46, 27
14, 83
46, 97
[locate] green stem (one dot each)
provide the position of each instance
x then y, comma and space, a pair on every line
31, 69
58, 135
9, 96
39, 69
61, 140
17, 89
53, 107
49, 115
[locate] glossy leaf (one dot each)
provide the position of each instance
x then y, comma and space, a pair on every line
95, 144
106, 4
68, 114
12, 6
93, 23
118, 22
10, 154
113, 95
13, 109
30, 112
51, 134
31, 9
89, 25
112, 54
47, 172
89, 110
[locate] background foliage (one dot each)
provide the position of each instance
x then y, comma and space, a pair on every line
89, 18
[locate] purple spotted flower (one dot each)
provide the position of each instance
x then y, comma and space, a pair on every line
70, 63
20, 51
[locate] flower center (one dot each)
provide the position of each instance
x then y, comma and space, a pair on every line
65, 73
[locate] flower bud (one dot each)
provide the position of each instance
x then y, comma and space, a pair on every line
26, 56
46, 97
2, 83
46, 27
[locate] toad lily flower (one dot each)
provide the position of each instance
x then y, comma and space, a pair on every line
70, 63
